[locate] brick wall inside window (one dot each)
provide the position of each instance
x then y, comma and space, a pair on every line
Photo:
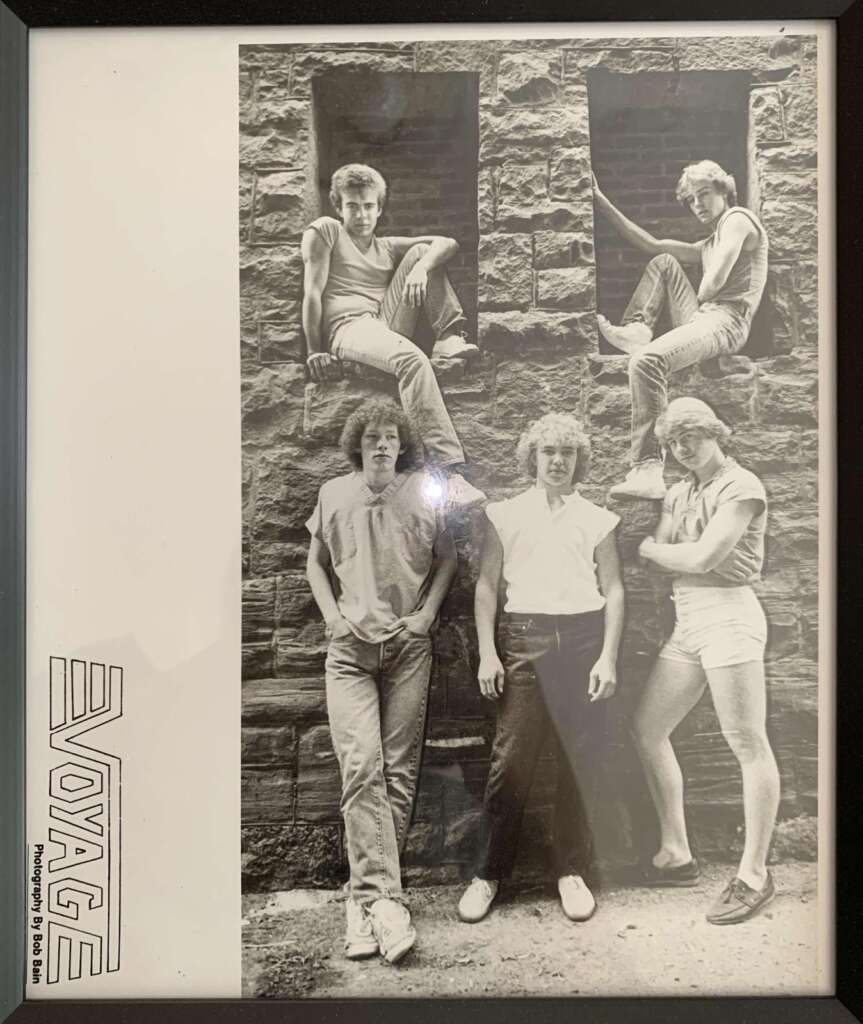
642, 136
421, 133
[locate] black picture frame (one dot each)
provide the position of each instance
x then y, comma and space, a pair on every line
16, 19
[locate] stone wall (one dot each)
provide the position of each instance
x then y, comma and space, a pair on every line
536, 295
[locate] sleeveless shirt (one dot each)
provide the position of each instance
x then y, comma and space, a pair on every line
745, 284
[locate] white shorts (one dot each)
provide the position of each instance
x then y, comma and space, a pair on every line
716, 627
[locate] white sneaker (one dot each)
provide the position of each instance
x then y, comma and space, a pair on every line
391, 925
642, 481
454, 346
359, 938
627, 338
461, 494
477, 899
575, 898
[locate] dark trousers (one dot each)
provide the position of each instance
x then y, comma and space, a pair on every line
547, 660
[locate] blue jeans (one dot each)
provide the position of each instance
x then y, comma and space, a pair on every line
699, 332
384, 343
547, 661
376, 703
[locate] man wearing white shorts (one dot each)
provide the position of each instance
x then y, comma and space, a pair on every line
711, 538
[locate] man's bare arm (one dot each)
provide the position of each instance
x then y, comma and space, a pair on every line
316, 269
490, 675
318, 575
703, 555
440, 251
685, 252
736, 231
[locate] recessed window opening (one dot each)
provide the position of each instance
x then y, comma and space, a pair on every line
644, 129
421, 131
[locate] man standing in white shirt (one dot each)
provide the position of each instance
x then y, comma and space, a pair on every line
559, 637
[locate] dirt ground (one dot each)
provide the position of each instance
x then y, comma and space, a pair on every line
639, 942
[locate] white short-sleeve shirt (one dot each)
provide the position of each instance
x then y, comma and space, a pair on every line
548, 556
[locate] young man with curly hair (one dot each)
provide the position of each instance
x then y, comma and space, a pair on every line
557, 639
711, 539
713, 321
379, 566
361, 298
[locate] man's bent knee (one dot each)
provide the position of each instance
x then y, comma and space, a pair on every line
415, 253
646, 364
665, 262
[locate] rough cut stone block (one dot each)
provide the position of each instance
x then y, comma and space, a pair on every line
288, 480
801, 110
319, 787
797, 155
257, 659
293, 604
272, 403
299, 650
455, 666
309, 65
766, 118
570, 175
568, 288
274, 702
328, 405
267, 794
783, 630
460, 56
485, 200
788, 398
789, 185
516, 330
610, 407
520, 189
266, 745
791, 537
259, 608
271, 147
526, 390
729, 53
526, 77
271, 280
280, 211
768, 451
271, 105
554, 215
627, 61
280, 857
792, 228
269, 559
507, 132
424, 843
505, 271
282, 341
563, 248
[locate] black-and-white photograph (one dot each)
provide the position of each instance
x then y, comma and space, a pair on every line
530, 602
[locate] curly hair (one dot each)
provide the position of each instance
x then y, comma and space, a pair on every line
557, 427
356, 176
375, 411
689, 414
712, 173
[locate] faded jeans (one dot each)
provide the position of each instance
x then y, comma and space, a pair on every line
376, 703
384, 343
547, 661
699, 332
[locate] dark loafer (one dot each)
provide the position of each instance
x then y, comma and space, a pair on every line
738, 902
681, 876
